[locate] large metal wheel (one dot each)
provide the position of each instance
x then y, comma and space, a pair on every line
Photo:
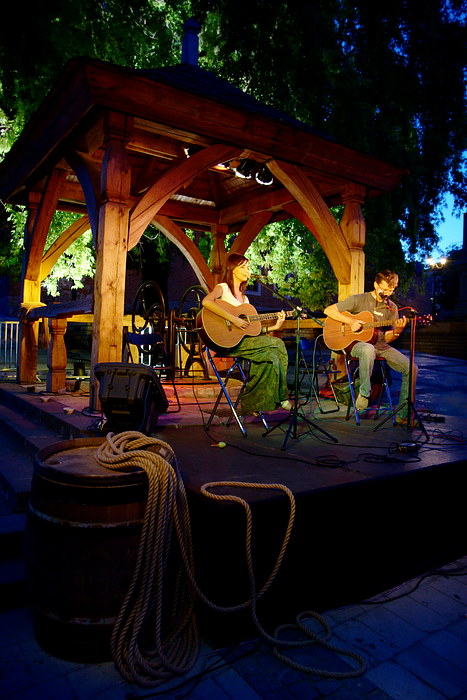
188, 309
190, 304
148, 312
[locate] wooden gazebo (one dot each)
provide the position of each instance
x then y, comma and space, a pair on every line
125, 148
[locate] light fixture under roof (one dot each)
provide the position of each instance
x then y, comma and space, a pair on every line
246, 168
263, 175
192, 149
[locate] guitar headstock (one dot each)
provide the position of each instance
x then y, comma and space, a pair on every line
425, 320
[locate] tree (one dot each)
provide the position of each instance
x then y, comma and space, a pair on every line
385, 79
34, 47
295, 262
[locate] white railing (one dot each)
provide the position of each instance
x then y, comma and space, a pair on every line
9, 333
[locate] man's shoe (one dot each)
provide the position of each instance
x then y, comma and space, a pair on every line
361, 403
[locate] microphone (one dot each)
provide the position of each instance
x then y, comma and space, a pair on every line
386, 300
258, 277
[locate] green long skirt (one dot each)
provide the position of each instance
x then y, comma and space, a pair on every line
267, 385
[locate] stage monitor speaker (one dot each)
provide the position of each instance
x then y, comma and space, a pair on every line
131, 396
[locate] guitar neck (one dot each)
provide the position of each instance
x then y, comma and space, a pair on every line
266, 317
379, 324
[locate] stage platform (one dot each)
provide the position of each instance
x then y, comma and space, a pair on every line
368, 515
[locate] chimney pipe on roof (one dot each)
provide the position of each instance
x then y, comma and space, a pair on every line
190, 42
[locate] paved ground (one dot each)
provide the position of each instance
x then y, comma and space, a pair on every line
413, 639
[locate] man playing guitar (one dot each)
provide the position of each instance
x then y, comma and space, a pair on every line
378, 303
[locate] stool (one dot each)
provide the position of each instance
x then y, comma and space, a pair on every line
240, 366
351, 375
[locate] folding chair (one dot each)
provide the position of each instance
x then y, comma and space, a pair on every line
151, 346
315, 360
240, 368
352, 368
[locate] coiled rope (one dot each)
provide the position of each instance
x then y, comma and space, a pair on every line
155, 635
160, 598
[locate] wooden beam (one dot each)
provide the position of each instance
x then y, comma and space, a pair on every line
218, 251
316, 216
191, 252
249, 231
64, 241
151, 202
112, 247
87, 171
354, 228
40, 228
246, 205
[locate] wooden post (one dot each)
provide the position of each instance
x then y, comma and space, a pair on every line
354, 229
112, 246
28, 342
218, 252
56, 356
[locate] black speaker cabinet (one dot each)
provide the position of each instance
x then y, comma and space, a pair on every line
131, 396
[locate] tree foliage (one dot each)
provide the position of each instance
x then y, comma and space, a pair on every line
295, 262
12, 220
387, 79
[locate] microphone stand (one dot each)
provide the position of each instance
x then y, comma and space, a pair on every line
296, 413
409, 402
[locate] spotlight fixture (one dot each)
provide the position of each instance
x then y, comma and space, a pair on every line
246, 168
191, 150
263, 175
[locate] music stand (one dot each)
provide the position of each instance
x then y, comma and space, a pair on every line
296, 413
409, 402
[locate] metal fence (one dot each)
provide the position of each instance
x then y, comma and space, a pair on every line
9, 333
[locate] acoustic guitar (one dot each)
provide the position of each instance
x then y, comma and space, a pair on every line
339, 336
219, 333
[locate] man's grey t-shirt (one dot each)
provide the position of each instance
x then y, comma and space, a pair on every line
365, 302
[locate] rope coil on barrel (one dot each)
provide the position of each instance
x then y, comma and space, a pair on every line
173, 644
150, 657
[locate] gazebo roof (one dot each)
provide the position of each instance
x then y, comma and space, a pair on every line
168, 110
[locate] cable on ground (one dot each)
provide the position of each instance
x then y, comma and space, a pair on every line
155, 635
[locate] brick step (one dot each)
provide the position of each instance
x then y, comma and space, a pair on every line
50, 416
12, 564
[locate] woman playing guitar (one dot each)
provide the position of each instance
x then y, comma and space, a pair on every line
267, 387
384, 313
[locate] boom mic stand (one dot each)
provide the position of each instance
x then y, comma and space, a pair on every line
296, 413
409, 402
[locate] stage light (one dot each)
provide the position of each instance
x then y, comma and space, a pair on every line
246, 168
191, 150
263, 175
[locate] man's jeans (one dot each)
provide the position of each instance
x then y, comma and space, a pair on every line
366, 354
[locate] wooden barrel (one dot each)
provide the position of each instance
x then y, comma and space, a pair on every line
83, 531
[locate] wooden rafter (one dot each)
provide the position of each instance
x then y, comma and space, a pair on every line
314, 213
170, 183
63, 242
179, 238
42, 222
